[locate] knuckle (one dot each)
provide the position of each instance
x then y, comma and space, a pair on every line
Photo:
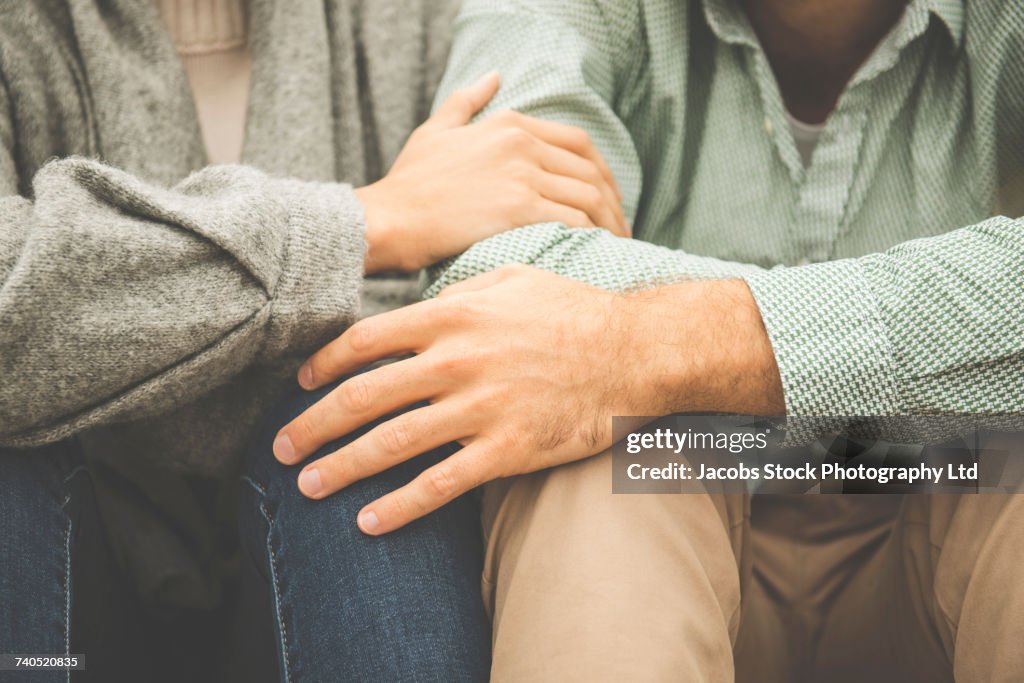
511, 439
506, 117
395, 438
332, 468
494, 398
440, 482
459, 309
524, 172
361, 336
401, 507
521, 197
516, 138
355, 394
522, 191
577, 218
347, 467
447, 365
302, 429
593, 197
514, 269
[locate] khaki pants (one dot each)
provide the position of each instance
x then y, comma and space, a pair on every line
584, 585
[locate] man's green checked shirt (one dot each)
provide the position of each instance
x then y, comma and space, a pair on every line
889, 272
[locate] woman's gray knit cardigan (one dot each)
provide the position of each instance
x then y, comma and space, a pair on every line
151, 307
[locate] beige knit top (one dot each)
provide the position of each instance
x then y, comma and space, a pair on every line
212, 39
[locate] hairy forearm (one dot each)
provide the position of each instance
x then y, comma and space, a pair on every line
525, 387
702, 346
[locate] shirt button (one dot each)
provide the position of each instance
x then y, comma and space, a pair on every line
768, 127
804, 261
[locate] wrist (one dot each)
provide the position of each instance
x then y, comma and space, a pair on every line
706, 349
382, 249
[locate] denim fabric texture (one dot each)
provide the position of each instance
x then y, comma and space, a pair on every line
318, 600
351, 607
37, 532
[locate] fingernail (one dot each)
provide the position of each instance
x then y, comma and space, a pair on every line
306, 376
309, 482
368, 521
283, 448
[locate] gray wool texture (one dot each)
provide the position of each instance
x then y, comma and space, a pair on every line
152, 308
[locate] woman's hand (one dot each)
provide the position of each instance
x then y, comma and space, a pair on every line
456, 183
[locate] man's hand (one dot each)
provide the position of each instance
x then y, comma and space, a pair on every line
525, 369
456, 183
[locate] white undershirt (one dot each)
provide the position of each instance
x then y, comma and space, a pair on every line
805, 135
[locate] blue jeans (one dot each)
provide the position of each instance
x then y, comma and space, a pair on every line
37, 526
350, 607
57, 572
317, 600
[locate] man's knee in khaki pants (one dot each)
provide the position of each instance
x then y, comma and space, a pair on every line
586, 585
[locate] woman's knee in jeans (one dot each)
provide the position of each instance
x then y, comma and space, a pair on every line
270, 488
261, 468
315, 563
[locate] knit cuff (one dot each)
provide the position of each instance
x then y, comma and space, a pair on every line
317, 294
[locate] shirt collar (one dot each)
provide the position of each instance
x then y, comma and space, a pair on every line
729, 23
951, 12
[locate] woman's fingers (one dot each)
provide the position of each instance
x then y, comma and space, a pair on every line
463, 104
571, 138
386, 445
583, 196
547, 210
564, 163
577, 175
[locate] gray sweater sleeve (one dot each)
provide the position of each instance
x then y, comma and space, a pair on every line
120, 300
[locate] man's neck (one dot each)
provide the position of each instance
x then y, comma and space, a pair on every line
816, 46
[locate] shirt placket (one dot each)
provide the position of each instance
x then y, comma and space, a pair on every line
823, 188
823, 195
